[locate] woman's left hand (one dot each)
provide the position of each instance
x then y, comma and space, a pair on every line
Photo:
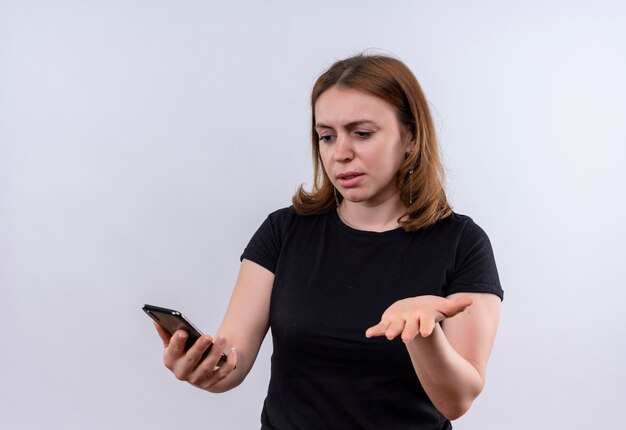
417, 315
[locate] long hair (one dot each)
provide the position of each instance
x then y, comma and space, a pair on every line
420, 179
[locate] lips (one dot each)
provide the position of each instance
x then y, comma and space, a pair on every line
348, 175
350, 179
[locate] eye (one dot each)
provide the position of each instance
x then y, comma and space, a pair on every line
327, 138
363, 134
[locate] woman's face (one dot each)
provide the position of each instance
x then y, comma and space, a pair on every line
361, 144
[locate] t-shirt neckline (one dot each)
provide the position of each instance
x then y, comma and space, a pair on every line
345, 227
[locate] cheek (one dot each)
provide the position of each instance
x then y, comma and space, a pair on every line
325, 157
387, 162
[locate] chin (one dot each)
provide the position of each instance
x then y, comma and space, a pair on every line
354, 198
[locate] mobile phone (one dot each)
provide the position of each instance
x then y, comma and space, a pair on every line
171, 321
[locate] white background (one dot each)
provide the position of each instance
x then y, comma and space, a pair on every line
143, 142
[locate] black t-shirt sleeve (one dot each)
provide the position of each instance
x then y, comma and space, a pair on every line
264, 247
475, 265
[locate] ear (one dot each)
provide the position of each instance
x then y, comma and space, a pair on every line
409, 145
409, 141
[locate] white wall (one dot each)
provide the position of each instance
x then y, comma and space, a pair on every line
143, 142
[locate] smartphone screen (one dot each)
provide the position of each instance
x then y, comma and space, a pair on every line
172, 321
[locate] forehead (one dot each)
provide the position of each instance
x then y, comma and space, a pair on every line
337, 106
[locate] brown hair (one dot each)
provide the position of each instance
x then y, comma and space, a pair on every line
387, 78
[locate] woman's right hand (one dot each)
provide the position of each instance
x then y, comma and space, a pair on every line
188, 366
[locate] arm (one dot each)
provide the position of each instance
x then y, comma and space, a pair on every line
450, 359
240, 335
451, 362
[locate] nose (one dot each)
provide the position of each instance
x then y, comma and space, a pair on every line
343, 149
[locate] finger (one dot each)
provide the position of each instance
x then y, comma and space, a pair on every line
175, 349
426, 325
207, 377
229, 360
464, 301
457, 304
177, 342
228, 364
394, 329
377, 330
164, 335
411, 328
182, 363
212, 360
233, 358
210, 364
195, 353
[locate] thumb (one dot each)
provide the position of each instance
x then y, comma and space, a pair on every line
165, 336
457, 304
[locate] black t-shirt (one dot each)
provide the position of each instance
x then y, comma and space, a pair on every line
331, 283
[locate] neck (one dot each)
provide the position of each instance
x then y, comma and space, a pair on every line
379, 218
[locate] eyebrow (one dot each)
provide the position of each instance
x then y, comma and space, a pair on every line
349, 125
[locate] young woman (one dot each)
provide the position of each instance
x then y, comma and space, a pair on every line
383, 302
